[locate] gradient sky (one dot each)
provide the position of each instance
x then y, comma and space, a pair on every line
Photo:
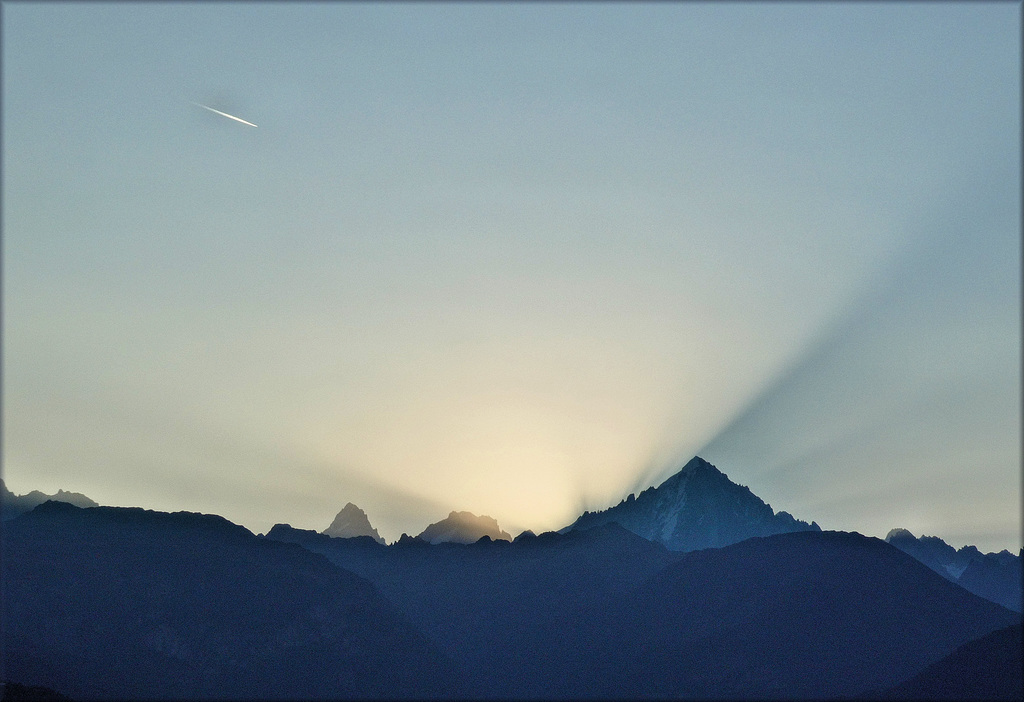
516, 260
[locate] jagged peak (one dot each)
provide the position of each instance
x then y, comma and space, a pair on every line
697, 507
406, 541
695, 465
351, 522
464, 527
23, 503
899, 533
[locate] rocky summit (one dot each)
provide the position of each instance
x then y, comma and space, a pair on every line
12, 505
698, 507
994, 576
350, 523
464, 528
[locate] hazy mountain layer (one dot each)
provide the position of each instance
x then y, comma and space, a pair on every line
501, 610
698, 507
127, 603
808, 615
994, 576
114, 603
351, 522
463, 528
12, 505
602, 613
989, 668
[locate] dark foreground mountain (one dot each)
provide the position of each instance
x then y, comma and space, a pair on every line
806, 615
602, 613
114, 603
16, 692
464, 528
698, 507
126, 603
994, 576
989, 668
12, 505
505, 612
351, 522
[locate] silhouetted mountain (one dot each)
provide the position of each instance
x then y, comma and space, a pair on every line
994, 576
463, 528
698, 507
934, 552
318, 541
118, 603
799, 615
12, 505
16, 692
603, 613
350, 522
989, 668
502, 610
127, 603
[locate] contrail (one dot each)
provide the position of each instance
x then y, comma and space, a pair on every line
224, 114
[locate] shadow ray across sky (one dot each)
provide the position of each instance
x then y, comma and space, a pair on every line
907, 378
465, 261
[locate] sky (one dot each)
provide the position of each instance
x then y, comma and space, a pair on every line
518, 260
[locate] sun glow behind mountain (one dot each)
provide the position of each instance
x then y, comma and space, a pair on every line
463, 264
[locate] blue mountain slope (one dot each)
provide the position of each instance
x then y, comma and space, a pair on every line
989, 668
995, 576
12, 505
806, 615
698, 507
603, 613
115, 603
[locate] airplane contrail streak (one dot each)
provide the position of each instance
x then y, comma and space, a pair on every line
224, 114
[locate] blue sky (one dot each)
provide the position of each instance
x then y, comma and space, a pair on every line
515, 259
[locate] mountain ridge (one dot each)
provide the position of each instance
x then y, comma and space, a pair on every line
995, 576
698, 507
12, 505
127, 603
464, 528
190, 605
987, 668
605, 613
352, 522
807, 615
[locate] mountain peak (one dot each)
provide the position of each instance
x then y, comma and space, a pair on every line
12, 505
697, 463
464, 528
899, 533
696, 467
351, 522
995, 577
697, 507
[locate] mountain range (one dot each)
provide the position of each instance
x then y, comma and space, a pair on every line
125, 603
463, 528
351, 522
984, 669
728, 600
12, 505
698, 507
994, 576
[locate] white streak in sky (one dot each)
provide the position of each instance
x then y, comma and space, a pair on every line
224, 114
